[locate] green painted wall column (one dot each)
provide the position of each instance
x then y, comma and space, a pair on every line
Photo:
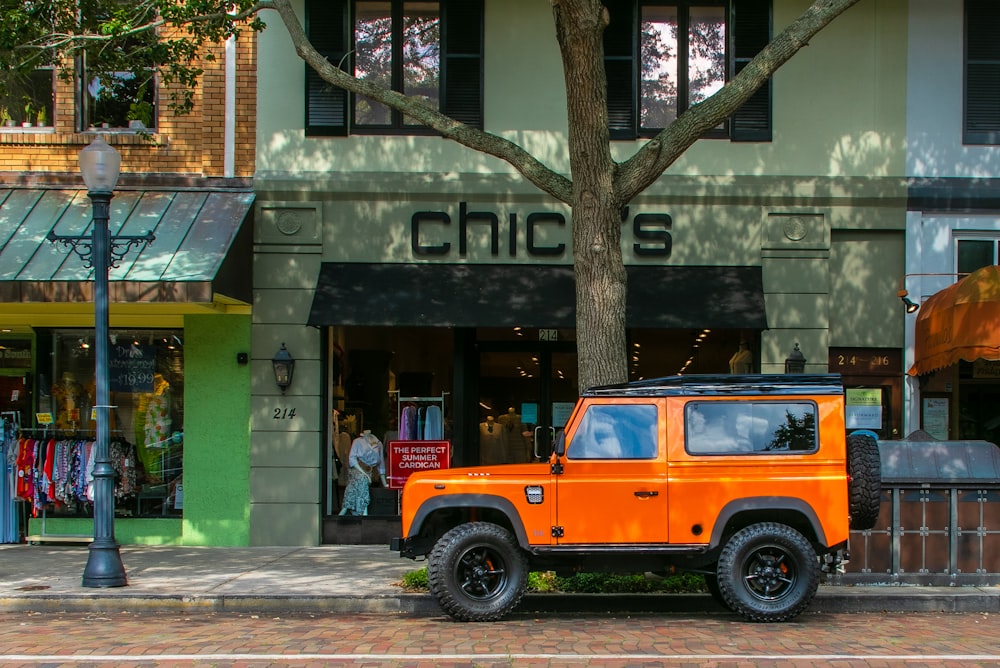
217, 431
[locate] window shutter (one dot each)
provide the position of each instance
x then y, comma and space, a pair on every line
982, 72
751, 23
326, 105
619, 68
462, 61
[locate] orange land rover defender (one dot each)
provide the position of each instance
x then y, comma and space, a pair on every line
750, 480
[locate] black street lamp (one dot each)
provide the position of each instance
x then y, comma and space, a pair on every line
100, 165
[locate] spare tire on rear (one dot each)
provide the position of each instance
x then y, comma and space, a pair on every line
864, 481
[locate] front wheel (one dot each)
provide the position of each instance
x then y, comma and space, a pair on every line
477, 572
768, 572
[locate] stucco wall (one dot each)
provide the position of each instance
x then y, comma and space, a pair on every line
217, 443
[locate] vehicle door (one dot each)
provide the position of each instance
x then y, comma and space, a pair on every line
613, 484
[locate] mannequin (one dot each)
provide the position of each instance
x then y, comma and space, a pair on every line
520, 449
364, 461
493, 442
70, 396
156, 427
742, 361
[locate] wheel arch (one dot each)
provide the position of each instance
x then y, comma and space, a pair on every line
791, 511
437, 515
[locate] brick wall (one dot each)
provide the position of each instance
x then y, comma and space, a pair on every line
192, 144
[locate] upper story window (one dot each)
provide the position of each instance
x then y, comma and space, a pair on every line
973, 254
397, 45
429, 50
123, 99
982, 73
27, 100
663, 57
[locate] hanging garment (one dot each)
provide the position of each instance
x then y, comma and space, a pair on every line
408, 423
433, 426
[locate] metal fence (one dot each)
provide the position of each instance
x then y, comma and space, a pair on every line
940, 517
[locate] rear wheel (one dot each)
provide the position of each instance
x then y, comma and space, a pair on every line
864, 481
768, 572
477, 572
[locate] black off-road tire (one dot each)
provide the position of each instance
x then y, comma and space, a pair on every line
712, 585
768, 572
477, 572
864, 481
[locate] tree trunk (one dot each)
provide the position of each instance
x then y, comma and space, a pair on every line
597, 257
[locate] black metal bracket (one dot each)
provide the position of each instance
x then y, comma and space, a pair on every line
118, 246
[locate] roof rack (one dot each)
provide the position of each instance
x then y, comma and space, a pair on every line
721, 384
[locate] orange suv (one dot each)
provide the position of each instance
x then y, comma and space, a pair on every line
749, 480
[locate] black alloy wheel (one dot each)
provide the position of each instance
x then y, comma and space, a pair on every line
768, 572
477, 572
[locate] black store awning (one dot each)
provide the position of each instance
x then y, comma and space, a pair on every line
492, 295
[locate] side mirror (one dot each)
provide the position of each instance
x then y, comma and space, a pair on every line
560, 444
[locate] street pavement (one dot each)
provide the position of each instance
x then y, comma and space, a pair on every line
353, 579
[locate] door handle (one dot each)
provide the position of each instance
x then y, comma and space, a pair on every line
646, 495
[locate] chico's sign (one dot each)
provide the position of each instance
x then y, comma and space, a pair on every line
432, 234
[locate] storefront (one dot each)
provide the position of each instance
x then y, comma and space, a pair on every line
179, 319
397, 301
952, 351
957, 358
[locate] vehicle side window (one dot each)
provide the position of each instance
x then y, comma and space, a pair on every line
749, 427
615, 432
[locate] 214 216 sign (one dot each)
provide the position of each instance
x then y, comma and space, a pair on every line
431, 234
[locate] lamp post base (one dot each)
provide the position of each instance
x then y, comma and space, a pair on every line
104, 566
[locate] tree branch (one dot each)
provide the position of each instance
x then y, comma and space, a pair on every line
536, 172
648, 164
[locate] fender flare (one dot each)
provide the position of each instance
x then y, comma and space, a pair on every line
493, 501
752, 503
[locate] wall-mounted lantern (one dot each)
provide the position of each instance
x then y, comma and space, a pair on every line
796, 362
284, 366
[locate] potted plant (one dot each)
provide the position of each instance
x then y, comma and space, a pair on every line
140, 112
29, 111
5, 117
43, 117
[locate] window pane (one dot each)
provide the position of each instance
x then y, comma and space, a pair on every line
116, 98
615, 432
706, 52
373, 58
975, 254
422, 52
748, 427
146, 392
27, 98
658, 86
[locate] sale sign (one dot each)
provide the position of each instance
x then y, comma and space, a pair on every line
406, 457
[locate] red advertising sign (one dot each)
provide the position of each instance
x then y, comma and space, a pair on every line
406, 457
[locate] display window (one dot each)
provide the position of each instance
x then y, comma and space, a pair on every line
146, 389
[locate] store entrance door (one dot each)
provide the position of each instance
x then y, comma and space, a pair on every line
526, 392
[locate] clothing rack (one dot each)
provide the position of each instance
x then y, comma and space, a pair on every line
45, 536
400, 401
9, 530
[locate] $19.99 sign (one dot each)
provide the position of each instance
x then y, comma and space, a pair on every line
406, 457
131, 368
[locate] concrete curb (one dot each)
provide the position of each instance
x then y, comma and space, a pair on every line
829, 601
